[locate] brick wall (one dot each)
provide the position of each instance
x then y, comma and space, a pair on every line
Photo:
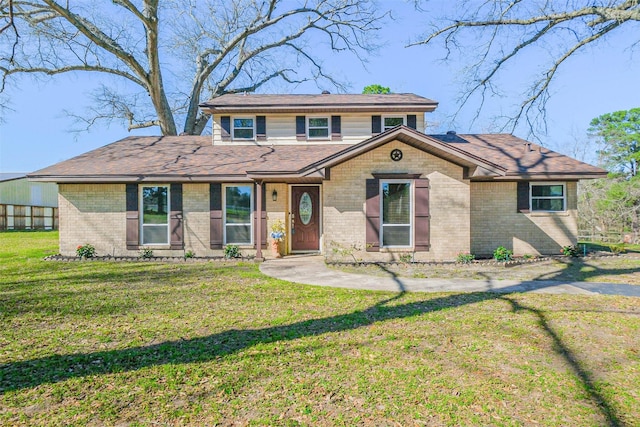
496, 222
95, 214
344, 203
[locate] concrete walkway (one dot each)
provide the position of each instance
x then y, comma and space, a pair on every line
311, 270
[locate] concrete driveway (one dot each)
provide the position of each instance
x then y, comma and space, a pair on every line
311, 270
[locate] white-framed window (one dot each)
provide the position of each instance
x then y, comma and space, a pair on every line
154, 218
548, 197
389, 122
318, 127
238, 209
243, 128
396, 213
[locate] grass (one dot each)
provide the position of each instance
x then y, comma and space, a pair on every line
100, 343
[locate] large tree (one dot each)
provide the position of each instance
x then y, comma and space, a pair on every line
619, 135
494, 34
165, 57
611, 206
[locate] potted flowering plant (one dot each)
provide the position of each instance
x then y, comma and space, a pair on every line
277, 234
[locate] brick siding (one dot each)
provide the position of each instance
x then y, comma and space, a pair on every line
496, 222
344, 203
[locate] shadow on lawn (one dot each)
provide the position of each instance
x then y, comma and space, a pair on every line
55, 368
580, 269
51, 369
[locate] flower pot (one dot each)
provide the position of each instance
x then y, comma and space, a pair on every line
275, 249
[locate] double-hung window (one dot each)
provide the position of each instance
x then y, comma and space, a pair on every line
243, 128
397, 212
154, 223
548, 197
238, 206
318, 128
389, 122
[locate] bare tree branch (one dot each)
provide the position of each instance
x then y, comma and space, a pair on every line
497, 33
180, 51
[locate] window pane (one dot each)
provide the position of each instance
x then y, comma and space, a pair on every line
546, 190
318, 133
239, 234
547, 204
243, 123
390, 122
155, 234
319, 122
243, 133
396, 235
396, 208
154, 205
238, 205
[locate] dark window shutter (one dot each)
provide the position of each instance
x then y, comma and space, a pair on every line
261, 128
133, 218
412, 121
215, 215
301, 132
175, 220
373, 215
523, 197
336, 128
263, 217
225, 123
421, 220
376, 124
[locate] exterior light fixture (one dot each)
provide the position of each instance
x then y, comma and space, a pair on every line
274, 196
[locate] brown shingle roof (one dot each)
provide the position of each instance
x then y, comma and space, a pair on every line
518, 156
185, 158
262, 103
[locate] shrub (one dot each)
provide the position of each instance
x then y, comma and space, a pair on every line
465, 258
406, 258
502, 254
86, 251
189, 254
146, 253
528, 256
570, 250
617, 248
231, 251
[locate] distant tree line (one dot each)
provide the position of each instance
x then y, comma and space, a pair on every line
609, 208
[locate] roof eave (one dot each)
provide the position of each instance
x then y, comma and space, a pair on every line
547, 176
368, 108
82, 179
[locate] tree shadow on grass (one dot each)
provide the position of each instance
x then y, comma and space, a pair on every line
55, 368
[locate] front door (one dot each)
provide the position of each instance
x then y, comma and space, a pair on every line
305, 218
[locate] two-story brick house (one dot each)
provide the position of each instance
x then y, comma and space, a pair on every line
341, 171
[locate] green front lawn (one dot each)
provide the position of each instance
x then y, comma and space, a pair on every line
100, 343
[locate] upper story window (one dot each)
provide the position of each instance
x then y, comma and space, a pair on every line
238, 205
390, 122
243, 128
397, 207
154, 221
318, 127
548, 197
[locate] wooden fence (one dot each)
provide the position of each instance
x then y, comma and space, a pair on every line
18, 217
608, 237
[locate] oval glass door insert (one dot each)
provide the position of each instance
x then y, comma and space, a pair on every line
305, 209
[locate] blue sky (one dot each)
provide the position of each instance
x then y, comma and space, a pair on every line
599, 80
